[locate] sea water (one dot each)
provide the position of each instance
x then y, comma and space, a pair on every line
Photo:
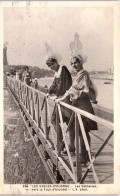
105, 91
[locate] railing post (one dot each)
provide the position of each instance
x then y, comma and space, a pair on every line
26, 98
5, 79
24, 95
18, 88
46, 120
32, 106
14, 84
78, 162
29, 109
37, 111
57, 130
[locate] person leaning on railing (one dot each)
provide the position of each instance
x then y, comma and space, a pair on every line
80, 94
61, 83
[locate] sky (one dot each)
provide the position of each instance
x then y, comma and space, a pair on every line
25, 29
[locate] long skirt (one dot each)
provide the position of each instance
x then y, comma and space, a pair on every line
83, 103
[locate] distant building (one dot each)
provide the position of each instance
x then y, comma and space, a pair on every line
5, 62
110, 72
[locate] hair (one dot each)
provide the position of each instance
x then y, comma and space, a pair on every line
78, 58
50, 61
26, 67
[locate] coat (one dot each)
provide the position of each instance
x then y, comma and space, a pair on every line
62, 82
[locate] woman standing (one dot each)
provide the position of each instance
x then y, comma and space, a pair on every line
27, 76
80, 95
61, 83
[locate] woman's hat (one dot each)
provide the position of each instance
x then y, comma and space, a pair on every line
76, 49
78, 57
51, 57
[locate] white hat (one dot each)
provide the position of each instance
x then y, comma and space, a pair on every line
50, 54
54, 56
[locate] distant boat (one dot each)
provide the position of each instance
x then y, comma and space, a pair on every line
107, 82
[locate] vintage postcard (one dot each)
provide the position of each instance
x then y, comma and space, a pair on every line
60, 100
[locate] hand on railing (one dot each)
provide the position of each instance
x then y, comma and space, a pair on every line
55, 98
58, 100
52, 97
47, 95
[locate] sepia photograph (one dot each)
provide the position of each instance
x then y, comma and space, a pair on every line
59, 97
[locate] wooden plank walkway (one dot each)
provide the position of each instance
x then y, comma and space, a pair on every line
103, 164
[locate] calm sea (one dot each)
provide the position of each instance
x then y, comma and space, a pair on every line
105, 91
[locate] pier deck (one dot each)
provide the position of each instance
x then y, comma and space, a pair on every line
103, 164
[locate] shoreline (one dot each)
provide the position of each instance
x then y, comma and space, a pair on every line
103, 78
74, 76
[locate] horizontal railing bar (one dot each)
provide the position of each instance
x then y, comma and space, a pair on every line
87, 114
37, 91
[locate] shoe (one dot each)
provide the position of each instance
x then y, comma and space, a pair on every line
72, 150
62, 146
84, 159
33, 132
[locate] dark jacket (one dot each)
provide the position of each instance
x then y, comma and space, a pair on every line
61, 83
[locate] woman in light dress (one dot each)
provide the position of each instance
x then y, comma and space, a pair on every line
81, 94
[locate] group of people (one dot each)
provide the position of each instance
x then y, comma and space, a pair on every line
79, 93
26, 77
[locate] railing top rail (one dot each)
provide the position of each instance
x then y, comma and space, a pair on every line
82, 112
90, 116
37, 91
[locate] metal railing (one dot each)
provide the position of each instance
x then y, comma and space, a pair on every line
39, 108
